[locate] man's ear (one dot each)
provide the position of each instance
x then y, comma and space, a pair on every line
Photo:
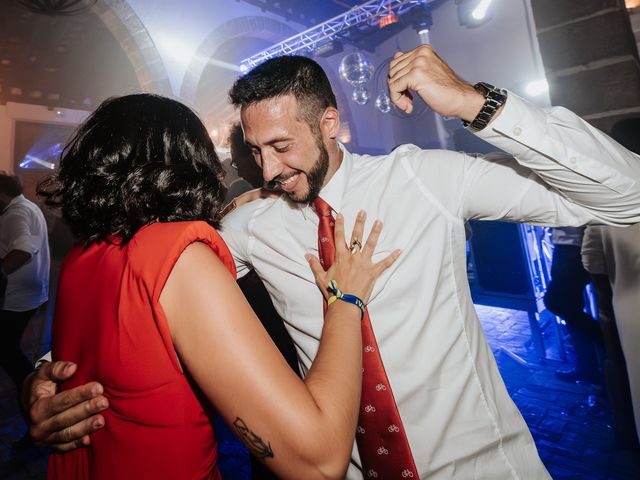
330, 123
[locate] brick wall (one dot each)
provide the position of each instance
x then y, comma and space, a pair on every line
590, 56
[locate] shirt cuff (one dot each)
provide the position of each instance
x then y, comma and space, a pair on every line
535, 135
45, 358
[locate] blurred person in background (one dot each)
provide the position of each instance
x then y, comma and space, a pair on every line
24, 269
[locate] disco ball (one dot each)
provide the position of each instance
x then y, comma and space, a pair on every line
356, 69
360, 95
383, 102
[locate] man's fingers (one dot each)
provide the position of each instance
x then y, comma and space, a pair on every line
70, 399
80, 420
398, 64
401, 99
399, 89
56, 371
67, 447
86, 412
75, 433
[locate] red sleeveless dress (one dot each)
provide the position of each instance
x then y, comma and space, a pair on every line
109, 321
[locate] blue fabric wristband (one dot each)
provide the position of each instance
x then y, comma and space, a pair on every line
345, 297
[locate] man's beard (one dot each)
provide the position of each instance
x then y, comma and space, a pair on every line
315, 176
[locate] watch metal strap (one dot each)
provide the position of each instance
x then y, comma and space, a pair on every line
494, 98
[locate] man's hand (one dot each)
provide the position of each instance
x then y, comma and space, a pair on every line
62, 421
421, 70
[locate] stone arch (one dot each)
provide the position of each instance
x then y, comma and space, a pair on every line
130, 32
261, 27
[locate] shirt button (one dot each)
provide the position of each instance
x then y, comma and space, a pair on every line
517, 131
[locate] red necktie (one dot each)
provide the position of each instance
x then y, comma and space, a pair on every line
381, 438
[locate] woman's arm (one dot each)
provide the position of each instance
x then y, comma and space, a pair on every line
299, 429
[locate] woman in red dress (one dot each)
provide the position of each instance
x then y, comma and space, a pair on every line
148, 306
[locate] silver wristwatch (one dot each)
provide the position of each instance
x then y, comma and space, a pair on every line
494, 98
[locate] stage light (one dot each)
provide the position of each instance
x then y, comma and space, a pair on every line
536, 88
30, 159
421, 21
481, 10
389, 19
473, 13
244, 68
421, 18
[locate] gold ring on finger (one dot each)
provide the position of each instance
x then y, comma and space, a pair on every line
356, 246
68, 434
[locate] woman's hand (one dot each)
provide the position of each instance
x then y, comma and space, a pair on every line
247, 197
352, 269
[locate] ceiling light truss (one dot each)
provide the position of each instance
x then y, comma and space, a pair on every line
369, 13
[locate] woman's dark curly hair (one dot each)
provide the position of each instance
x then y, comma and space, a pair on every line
137, 159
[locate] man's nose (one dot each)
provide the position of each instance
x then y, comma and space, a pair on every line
271, 167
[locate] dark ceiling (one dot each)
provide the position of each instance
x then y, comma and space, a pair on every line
59, 61
74, 61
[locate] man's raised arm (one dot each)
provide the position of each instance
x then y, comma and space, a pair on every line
594, 177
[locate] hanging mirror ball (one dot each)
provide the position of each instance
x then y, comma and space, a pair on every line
360, 95
383, 102
356, 69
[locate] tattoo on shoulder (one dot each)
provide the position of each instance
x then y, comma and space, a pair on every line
257, 446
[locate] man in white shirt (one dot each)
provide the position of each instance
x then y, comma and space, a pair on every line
459, 419
614, 253
24, 259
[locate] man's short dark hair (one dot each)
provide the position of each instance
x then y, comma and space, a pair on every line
137, 159
10, 185
291, 75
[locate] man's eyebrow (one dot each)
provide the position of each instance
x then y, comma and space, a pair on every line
270, 142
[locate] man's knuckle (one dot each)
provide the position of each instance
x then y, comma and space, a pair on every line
66, 400
56, 424
35, 432
34, 415
89, 407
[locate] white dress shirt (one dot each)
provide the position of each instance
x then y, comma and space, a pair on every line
616, 252
22, 227
459, 418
